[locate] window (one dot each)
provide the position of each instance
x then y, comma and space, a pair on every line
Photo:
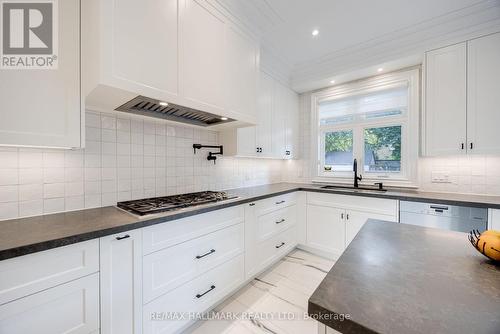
374, 121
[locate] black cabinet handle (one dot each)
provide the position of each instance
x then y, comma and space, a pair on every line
257, 149
280, 202
341, 216
287, 152
251, 204
206, 254
280, 221
463, 146
471, 146
204, 293
347, 216
124, 237
281, 245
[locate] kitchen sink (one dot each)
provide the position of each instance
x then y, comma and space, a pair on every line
351, 188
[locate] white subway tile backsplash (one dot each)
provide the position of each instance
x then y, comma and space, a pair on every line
125, 158
30, 192
9, 176
9, 193
53, 205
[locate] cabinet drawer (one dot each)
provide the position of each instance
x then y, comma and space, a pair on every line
71, 308
31, 273
275, 222
275, 247
174, 232
367, 204
167, 269
198, 295
268, 205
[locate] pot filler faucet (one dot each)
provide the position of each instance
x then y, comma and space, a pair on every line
356, 177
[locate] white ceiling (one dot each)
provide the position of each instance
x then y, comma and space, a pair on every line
354, 34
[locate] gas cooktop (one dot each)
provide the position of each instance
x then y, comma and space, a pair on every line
153, 205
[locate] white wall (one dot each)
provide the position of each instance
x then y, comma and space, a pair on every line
471, 174
125, 158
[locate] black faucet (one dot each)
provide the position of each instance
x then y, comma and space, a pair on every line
356, 177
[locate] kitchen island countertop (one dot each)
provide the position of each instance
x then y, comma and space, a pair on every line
405, 279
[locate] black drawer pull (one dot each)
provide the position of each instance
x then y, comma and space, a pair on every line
206, 254
280, 202
281, 245
280, 221
251, 204
124, 237
204, 293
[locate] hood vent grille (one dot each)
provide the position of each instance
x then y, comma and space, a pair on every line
145, 106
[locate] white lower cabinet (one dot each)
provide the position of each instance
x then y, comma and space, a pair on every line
494, 219
334, 220
70, 308
269, 231
169, 268
170, 312
121, 283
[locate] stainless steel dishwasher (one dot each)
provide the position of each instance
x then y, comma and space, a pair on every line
446, 217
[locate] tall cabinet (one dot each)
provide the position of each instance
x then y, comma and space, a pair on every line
276, 133
461, 98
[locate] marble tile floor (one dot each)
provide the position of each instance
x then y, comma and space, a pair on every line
274, 302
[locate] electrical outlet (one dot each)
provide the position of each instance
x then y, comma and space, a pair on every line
441, 177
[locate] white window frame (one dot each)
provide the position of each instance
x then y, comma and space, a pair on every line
408, 177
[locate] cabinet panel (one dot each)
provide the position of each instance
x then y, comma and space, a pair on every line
326, 229
71, 308
242, 71
145, 43
174, 266
264, 127
121, 283
25, 275
292, 126
483, 99
202, 50
52, 114
197, 295
280, 108
445, 108
246, 142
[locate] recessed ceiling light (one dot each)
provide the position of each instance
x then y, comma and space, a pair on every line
223, 118
332, 81
164, 104
380, 69
315, 32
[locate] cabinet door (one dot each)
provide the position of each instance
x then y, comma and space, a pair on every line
246, 141
242, 73
264, 128
483, 99
445, 107
145, 44
494, 218
280, 110
356, 219
292, 126
70, 308
326, 229
202, 55
121, 283
42, 107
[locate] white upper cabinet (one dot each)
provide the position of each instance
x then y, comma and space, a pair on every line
242, 70
130, 48
202, 61
483, 95
462, 98
276, 133
184, 52
445, 105
264, 128
42, 107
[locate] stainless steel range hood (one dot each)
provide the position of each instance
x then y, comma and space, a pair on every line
145, 106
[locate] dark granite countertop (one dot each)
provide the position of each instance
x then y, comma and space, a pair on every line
403, 279
28, 235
